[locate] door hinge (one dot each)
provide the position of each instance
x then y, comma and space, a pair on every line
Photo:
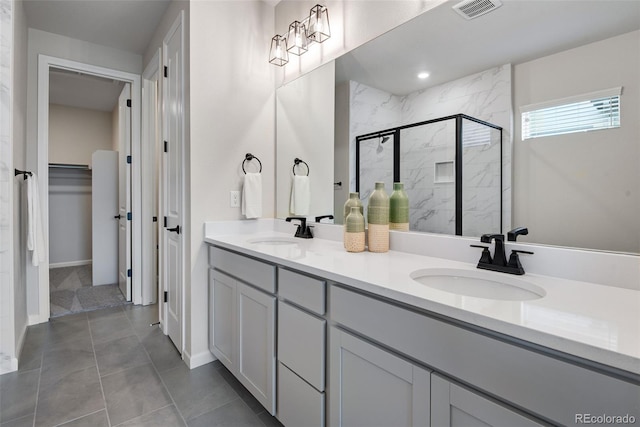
129, 216
129, 103
129, 273
166, 296
165, 222
166, 71
166, 146
155, 219
129, 159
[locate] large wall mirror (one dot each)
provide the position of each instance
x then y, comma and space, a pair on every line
575, 189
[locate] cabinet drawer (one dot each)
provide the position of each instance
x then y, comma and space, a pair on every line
299, 404
256, 273
301, 343
302, 290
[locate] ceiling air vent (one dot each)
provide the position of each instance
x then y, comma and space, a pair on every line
470, 9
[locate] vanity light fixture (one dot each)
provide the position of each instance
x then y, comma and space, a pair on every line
423, 75
319, 30
313, 29
278, 55
297, 38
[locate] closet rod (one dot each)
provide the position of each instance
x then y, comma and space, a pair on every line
68, 166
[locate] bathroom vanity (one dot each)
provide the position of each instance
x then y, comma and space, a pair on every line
323, 337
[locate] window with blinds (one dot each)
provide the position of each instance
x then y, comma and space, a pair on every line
594, 111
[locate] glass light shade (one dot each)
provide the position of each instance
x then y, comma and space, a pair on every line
278, 54
319, 29
297, 38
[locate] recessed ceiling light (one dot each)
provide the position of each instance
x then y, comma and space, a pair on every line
423, 75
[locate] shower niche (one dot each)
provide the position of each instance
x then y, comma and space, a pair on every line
451, 168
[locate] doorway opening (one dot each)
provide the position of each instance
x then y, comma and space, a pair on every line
89, 124
127, 166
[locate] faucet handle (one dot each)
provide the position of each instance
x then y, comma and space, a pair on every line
485, 258
514, 261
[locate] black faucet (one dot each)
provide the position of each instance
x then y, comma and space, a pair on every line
303, 231
513, 234
499, 260
318, 218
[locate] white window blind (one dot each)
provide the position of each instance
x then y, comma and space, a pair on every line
594, 111
475, 134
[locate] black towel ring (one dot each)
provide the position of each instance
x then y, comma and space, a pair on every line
297, 162
247, 158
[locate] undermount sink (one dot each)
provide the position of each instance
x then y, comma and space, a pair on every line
479, 284
274, 241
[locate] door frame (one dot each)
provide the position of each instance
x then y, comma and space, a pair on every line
151, 180
41, 282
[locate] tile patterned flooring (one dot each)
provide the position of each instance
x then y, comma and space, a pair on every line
110, 368
71, 291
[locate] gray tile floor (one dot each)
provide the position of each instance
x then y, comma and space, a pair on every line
110, 368
71, 291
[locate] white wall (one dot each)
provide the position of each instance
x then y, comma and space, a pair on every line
75, 133
13, 63
232, 113
41, 42
582, 189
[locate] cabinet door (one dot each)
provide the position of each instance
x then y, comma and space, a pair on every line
453, 405
223, 330
256, 344
372, 387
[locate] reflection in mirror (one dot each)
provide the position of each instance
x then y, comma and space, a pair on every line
443, 198
304, 128
580, 189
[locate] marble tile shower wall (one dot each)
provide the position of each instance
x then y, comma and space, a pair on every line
432, 202
6, 320
486, 96
370, 110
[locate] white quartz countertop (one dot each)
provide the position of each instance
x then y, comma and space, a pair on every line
594, 322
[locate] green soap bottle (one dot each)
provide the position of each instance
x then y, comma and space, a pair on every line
399, 208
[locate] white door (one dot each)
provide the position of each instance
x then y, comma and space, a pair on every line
104, 205
124, 193
173, 102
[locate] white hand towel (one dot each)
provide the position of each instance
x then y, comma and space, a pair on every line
35, 236
252, 195
300, 195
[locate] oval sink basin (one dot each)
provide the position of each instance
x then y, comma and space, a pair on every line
479, 284
274, 241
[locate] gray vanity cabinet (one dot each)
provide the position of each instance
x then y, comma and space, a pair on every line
373, 387
456, 406
242, 333
301, 349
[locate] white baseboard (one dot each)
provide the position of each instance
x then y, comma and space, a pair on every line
10, 364
70, 264
199, 359
34, 319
